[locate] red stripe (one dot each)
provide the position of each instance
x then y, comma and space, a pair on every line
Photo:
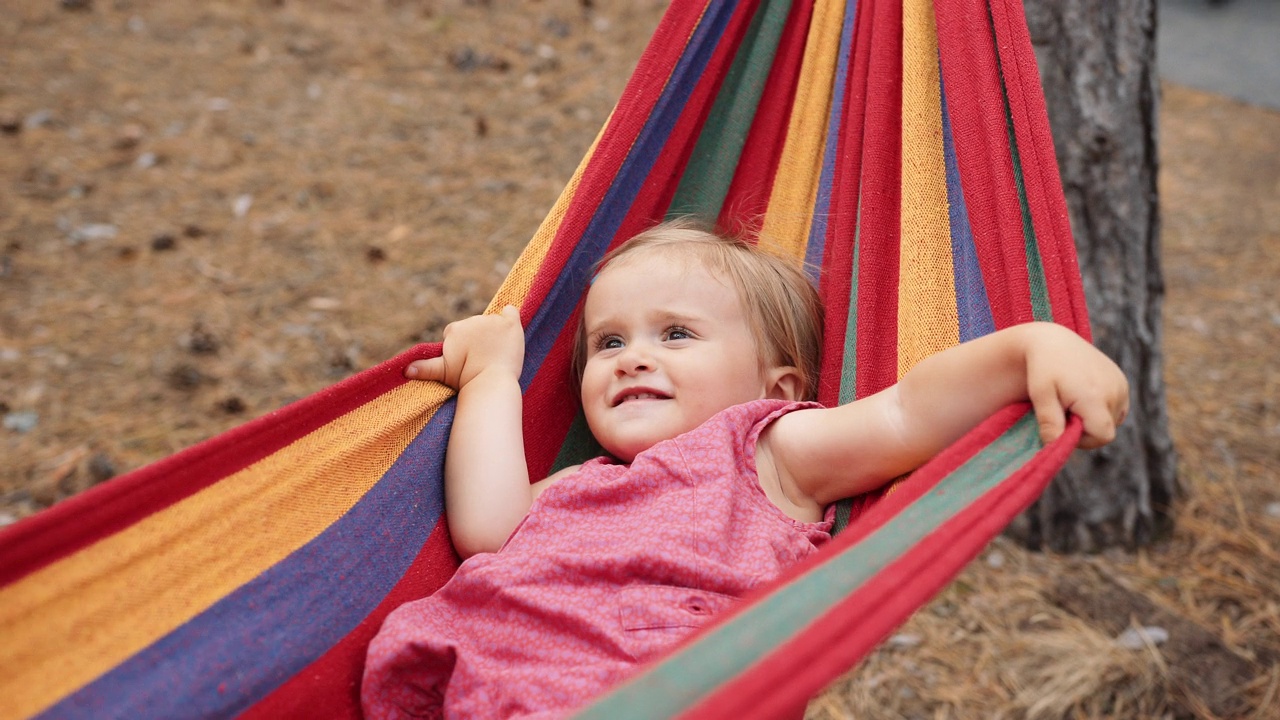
971, 73
105, 509
330, 686
879, 234
548, 414
547, 425
837, 264
651, 203
747, 198
834, 642
556, 403
1040, 166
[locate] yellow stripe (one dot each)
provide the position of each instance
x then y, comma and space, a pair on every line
68, 623
927, 319
787, 221
516, 286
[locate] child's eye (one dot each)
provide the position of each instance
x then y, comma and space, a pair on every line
608, 342
677, 333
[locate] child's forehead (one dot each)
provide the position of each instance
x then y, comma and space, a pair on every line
657, 279
681, 258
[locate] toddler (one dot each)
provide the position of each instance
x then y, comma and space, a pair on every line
697, 362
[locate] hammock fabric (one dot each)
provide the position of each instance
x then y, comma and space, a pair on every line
899, 146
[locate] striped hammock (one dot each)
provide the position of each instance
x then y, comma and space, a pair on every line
899, 146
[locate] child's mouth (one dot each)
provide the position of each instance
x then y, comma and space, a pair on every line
633, 395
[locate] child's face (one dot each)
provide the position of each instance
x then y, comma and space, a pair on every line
668, 345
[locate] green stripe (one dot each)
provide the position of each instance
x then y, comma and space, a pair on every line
849, 365
1041, 308
579, 445
731, 649
710, 169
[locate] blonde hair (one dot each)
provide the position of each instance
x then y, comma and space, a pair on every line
783, 309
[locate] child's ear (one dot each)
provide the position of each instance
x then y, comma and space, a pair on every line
783, 383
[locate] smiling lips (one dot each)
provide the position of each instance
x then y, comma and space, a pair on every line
638, 394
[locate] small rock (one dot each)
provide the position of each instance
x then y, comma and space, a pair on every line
39, 118
7, 518
232, 405
136, 25
242, 204
130, 136
995, 559
93, 231
218, 104
556, 27
1139, 638
905, 640
324, 303
1273, 510
200, 341
186, 378
101, 467
146, 161
21, 421
398, 233
464, 59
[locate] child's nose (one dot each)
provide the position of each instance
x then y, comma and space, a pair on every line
634, 359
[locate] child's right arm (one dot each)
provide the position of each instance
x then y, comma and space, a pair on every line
487, 491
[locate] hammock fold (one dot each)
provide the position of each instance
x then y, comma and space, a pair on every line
899, 147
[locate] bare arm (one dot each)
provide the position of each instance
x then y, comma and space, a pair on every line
827, 454
487, 491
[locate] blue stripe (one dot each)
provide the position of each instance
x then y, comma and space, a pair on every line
816, 248
554, 312
972, 304
258, 637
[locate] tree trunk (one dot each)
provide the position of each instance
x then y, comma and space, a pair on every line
1097, 63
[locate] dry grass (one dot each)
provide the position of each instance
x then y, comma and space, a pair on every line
393, 179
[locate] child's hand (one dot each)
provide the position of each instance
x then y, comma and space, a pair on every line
475, 345
1067, 374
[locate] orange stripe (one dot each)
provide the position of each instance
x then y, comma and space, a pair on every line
927, 316
786, 223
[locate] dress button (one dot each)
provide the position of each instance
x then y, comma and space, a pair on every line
695, 605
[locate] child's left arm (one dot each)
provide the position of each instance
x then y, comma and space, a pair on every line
823, 455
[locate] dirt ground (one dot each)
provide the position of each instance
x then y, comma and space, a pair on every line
210, 209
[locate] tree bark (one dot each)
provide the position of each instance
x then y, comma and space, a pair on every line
1097, 64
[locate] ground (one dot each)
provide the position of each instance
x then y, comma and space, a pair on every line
210, 209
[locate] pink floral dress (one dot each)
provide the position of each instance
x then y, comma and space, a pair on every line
613, 565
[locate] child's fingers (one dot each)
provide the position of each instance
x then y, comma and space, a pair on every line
430, 369
511, 312
1099, 426
1050, 415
